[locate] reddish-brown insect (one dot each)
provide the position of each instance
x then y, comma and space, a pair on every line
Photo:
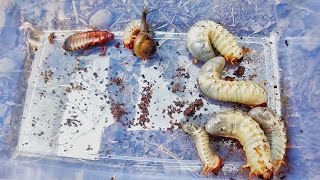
83, 40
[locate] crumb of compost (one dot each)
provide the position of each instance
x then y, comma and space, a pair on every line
191, 109
117, 110
240, 71
51, 38
175, 87
228, 78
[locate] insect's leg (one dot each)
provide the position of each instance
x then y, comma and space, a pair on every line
251, 175
282, 162
103, 51
244, 167
134, 54
133, 37
205, 170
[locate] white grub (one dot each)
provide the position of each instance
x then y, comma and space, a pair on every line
212, 162
205, 34
131, 30
275, 132
255, 144
244, 92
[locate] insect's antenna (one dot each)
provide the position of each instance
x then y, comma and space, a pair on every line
145, 10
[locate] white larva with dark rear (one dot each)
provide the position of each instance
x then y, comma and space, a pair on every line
130, 31
212, 162
205, 34
244, 92
275, 131
251, 136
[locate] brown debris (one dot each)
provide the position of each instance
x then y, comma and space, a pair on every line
175, 87
179, 103
51, 38
240, 71
73, 86
103, 51
228, 78
172, 109
195, 61
191, 109
181, 72
145, 104
47, 75
252, 76
117, 110
119, 82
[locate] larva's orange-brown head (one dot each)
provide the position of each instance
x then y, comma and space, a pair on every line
267, 175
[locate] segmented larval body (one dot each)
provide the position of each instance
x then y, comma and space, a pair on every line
251, 136
212, 162
244, 92
205, 34
84, 39
130, 31
275, 131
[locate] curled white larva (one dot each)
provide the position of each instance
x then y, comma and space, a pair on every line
130, 31
275, 131
205, 34
212, 162
251, 136
248, 93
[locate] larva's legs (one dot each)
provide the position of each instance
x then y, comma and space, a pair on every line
205, 170
244, 167
232, 59
251, 174
278, 164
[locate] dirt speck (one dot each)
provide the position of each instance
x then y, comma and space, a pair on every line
228, 78
240, 71
117, 45
117, 110
195, 61
179, 103
145, 104
191, 109
51, 38
175, 87
119, 82
252, 76
47, 74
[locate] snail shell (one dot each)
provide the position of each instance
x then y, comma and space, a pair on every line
144, 46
